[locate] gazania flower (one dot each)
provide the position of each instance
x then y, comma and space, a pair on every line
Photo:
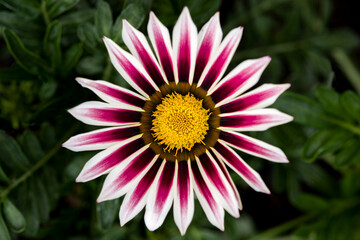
179, 128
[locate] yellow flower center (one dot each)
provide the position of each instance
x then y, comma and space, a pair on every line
180, 122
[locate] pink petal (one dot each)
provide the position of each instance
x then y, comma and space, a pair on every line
218, 185
261, 97
100, 139
208, 42
213, 210
127, 174
139, 47
104, 114
185, 46
243, 77
160, 39
116, 95
222, 166
217, 65
253, 120
233, 160
104, 161
130, 69
253, 146
160, 196
184, 197
136, 198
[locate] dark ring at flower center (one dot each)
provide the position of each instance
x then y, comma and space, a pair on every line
147, 121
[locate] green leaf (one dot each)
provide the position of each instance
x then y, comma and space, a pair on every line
348, 154
106, 213
17, 24
309, 202
31, 212
4, 232
24, 57
13, 216
60, 7
48, 90
72, 20
47, 135
15, 74
25, 8
103, 19
52, 43
72, 57
3, 177
303, 109
31, 146
134, 14
91, 65
197, 9
350, 102
329, 100
324, 141
11, 154
42, 199
87, 35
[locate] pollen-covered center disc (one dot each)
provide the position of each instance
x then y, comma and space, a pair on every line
180, 122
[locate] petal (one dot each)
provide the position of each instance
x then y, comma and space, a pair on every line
103, 114
253, 120
261, 97
185, 46
160, 39
160, 196
100, 139
208, 42
243, 77
253, 146
126, 175
184, 197
235, 162
105, 160
213, 210
218, 185
228, 178
217, 65
113, 94
130, 69
139, 47
136, 198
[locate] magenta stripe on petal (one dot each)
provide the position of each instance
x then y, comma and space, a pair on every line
183, 187
132, 201
100, 138
147, 60
213, 173
253, 146
220, 163
211, 36
245, 171
163, 49
221, 62
235, 83
125, 64
105, 163
253, 120
204, 190
165, 184
263, 96
135, 167
113, 91
114, 115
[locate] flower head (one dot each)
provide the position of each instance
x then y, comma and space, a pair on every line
177, 131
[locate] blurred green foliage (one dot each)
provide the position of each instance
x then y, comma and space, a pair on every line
44, 44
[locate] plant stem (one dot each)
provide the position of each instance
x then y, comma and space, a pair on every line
44, 13
108, 70
39, 164
347, 67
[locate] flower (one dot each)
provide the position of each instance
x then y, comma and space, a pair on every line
176, 133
